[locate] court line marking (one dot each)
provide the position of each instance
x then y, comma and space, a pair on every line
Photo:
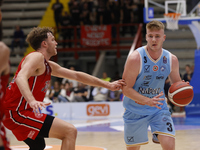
96, 123
25, 147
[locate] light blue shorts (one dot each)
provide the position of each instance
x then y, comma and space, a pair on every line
136, 127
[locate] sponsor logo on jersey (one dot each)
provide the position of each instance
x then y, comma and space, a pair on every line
148, 77
146, 68
155, 68
98, 109
38, 115
164, 60
148, 90
44, 89
145, 83
160, 77
130, 139
162, 68
31, 134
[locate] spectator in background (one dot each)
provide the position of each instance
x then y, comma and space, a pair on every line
188, 74
74, 83
116, 14
85, 15
100, 94
57, 7
80, 94
105, 77
100, 13
75, 11
66, 21
18, 38
55, 92
127, 16
67, 93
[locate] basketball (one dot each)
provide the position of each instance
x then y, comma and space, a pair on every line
180, 93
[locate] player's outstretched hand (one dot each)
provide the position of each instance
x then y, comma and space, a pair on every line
154, 102
117, 85
37, 106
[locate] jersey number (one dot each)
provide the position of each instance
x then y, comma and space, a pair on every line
169, 126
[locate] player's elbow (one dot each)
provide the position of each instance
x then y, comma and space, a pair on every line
125, 90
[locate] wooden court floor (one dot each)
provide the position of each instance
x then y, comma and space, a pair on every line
89, 138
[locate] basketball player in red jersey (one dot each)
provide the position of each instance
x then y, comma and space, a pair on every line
26, 92
4, 77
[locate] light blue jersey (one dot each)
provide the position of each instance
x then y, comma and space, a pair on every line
150, 81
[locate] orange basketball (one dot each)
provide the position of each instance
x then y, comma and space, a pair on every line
180, 93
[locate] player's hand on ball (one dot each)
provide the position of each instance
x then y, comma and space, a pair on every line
154, 102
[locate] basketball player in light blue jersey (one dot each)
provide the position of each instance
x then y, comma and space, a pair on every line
145, 72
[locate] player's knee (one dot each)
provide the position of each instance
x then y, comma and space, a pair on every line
168, 146
71, 132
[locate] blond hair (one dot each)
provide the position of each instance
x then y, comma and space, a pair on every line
155, 25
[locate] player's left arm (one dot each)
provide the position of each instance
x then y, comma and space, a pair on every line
4, 59
82, 77
174, 76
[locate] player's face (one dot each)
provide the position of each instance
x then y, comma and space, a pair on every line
155, 39
52, 44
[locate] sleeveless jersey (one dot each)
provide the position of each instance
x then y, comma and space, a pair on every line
150, 81
37, 84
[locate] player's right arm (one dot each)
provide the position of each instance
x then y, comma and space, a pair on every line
131, 71
33, 65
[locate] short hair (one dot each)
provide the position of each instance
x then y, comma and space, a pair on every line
37, 35
155, 25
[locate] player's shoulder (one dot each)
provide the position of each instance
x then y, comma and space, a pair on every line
134, 57
35, 55
4, 48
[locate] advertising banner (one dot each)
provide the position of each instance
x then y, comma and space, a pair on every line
85, 110
96, 35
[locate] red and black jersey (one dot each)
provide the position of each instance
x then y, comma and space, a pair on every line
37, 84
19, 116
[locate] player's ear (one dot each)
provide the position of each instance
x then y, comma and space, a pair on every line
164, 37
44, 43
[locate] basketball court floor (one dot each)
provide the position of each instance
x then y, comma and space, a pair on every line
107, 134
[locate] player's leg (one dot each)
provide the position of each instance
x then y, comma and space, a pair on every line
64, 131
135, 130
167, 142
163, 129
133, 148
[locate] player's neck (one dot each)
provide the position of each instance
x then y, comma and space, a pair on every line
45, 54
154, 54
